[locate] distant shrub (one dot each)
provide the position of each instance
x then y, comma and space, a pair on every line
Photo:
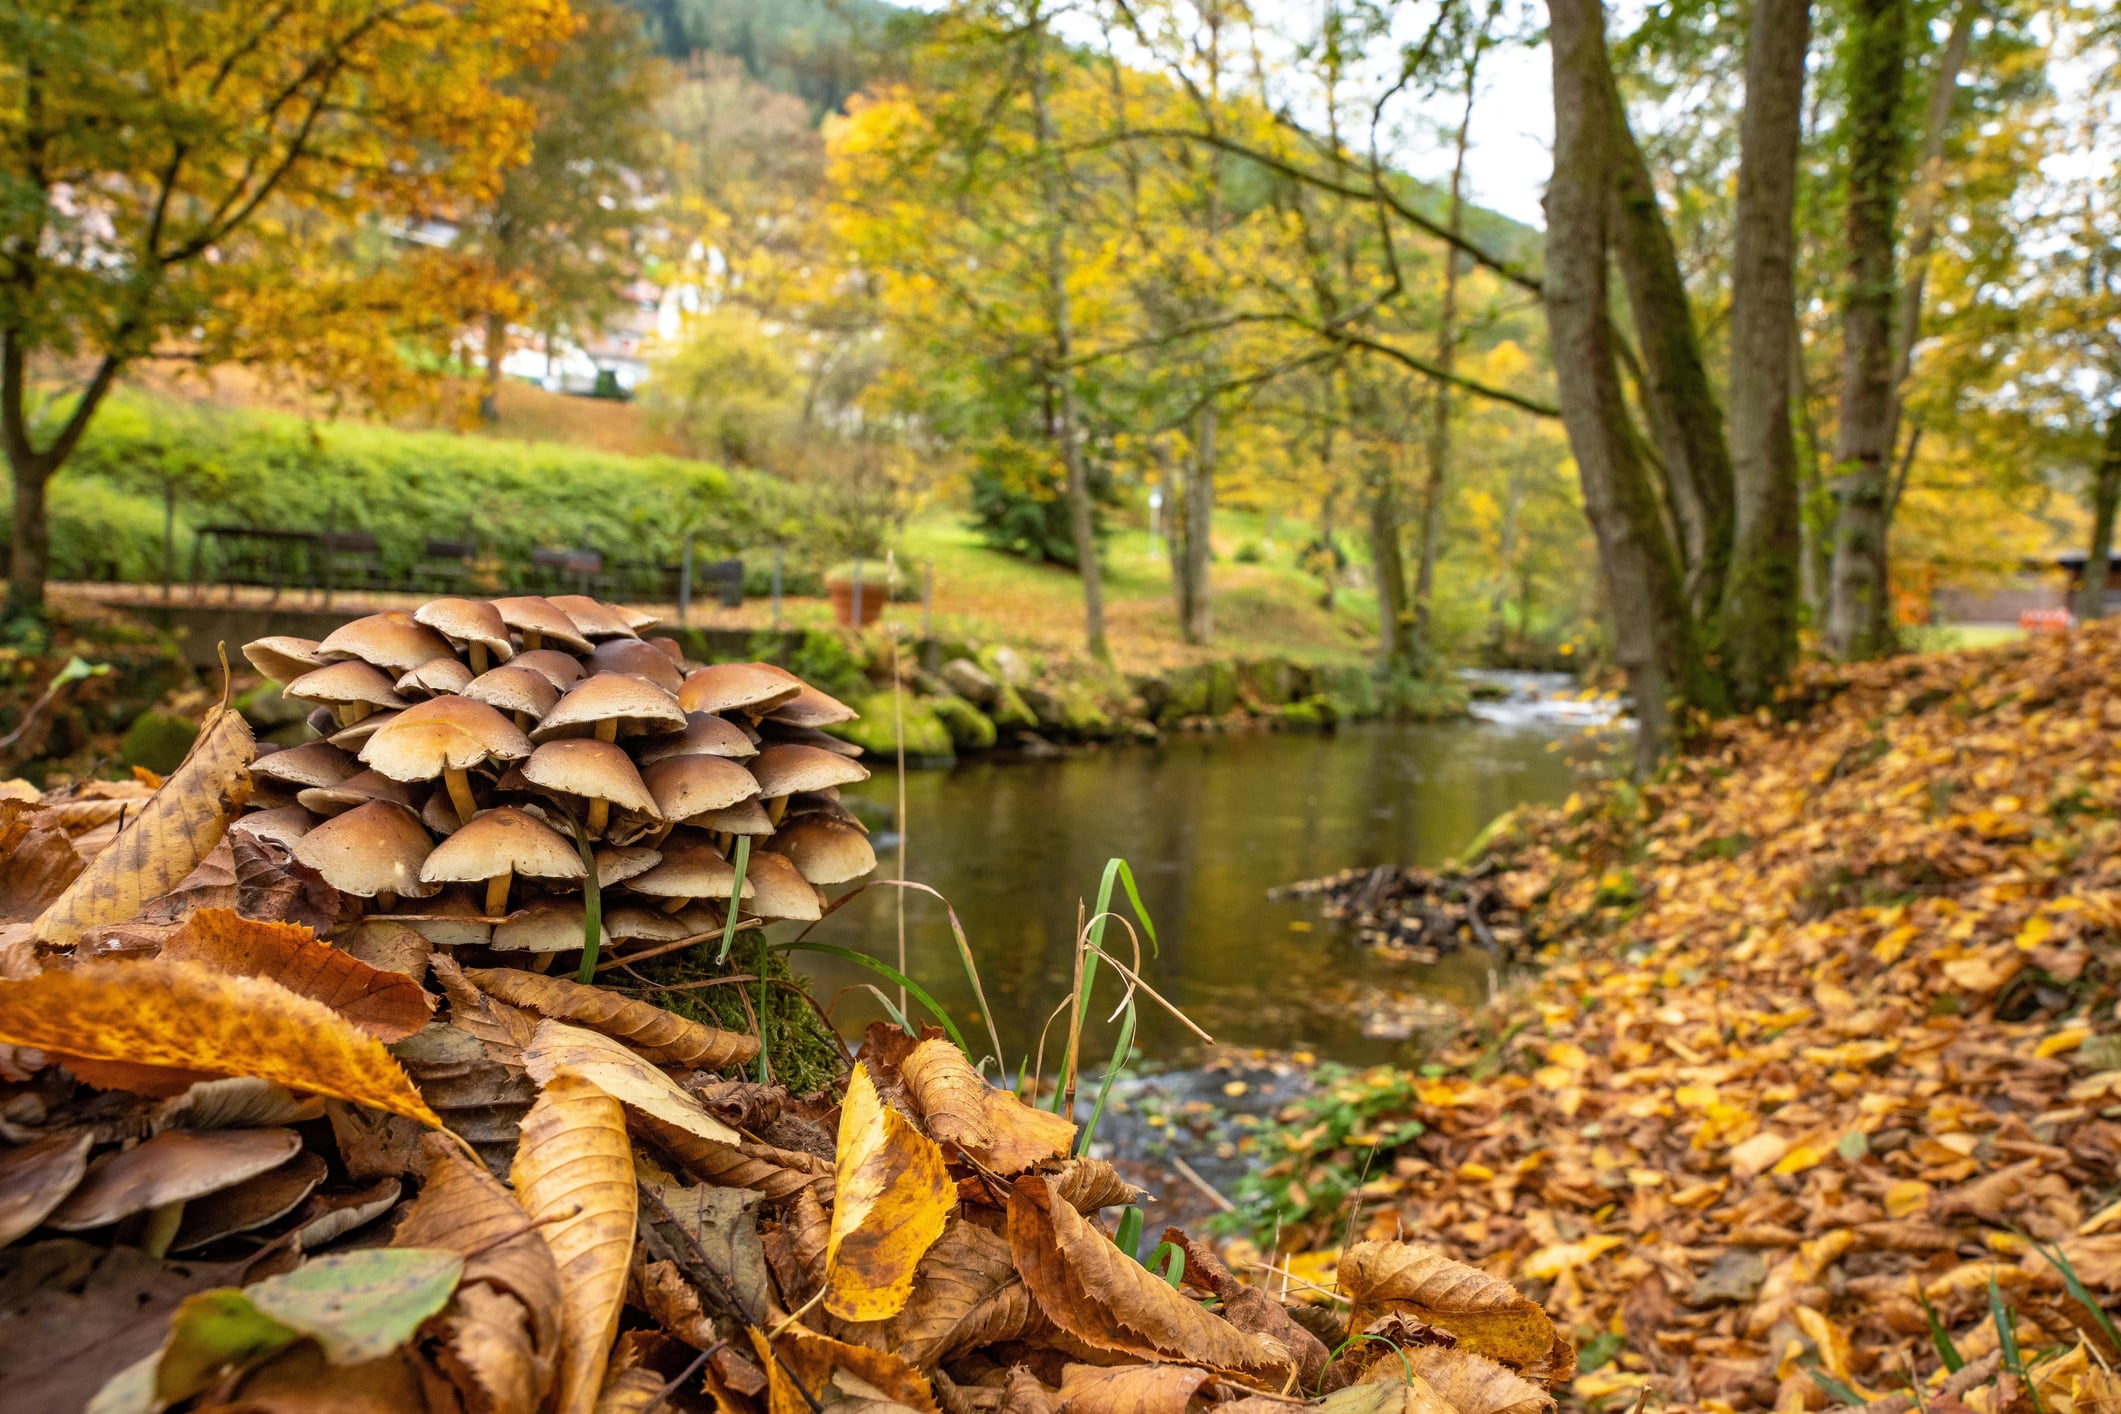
1020, 503
1250, 553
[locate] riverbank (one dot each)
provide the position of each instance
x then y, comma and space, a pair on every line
1818, 1086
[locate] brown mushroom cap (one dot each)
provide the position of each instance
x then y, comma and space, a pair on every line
514, 688
784, 770
746, 817
392, 640
812, 708
251, 1204
339, 684
373, 849
636, 619
283, 825
736, 687
685, 786
434, 677
777, 890
772, 731
443, 734
691, 868
562, 670
669, 648
618, 863
705, 735
646, 925
468, 621
313, 763
528, 613
636, 659
635, 706
503, 840
826, 803
353, 738
281, 658
173, 1167
593, 618
356, 790
590, 770
452, 919
824, 850
554, 926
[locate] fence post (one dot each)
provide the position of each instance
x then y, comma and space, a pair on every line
928, 600
685, 582
778, 553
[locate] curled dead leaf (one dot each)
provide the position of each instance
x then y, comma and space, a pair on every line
1487, 1314
959, 1107
661, 1036
387, 1005
891, 1196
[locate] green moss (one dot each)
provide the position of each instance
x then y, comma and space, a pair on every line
1308, 716
158, 741
969, 728
1011, 712
927, 739
803, 1053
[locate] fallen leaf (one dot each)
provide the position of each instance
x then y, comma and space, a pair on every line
37, 861
722, 1225
71, 1314
959, 1107
1487, 1314
1471, 1383
663, 1037
814, 1361
891, 1196
167, 836
969, 1295
1133, 1389
387, 1005
623, 1074
1107, 1300
190, 1020
574, 1174
36, 1177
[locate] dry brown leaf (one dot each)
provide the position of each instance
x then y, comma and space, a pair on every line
166, 839
796, 1248
670, 1300
891, 1196
630, 1391
574, 1174
37, 861
1487, 1314
503, 1030
1392, 1391
813, 1360
779, 1174
188, 1021
1466, 1382
1109, 1301
663, 1037
967, 1295
387, 1005
1023, 1394
392, 947
501, 1332
959, 1107
1087, 1185
623, 1074
1252, 1310
1130, 1389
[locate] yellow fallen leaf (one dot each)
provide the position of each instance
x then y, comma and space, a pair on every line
573, 1174
1487, 1314
129, 1020
1757, 1154
891, 1196
2067, 1039
1552, 1260
388, 1005
1909, 1195
621, 1073
1806, 1155
167, 838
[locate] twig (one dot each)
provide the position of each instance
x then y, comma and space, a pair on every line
699, 1363
1207, 1189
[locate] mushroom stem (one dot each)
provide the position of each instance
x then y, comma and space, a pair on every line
161, 1229
660, 833
776, 808
608, 729
460, 794
386, 901
723, 839
533, 639
542, 961
497, 894
478, 657
523, 722
355, 711
599, 817
673, 905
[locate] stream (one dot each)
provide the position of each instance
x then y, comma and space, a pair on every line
1208, 824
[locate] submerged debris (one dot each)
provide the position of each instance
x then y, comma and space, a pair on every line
1419, 915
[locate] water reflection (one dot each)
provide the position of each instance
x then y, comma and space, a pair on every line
1209, 825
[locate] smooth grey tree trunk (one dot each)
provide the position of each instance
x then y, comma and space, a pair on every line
1196, 608
2106, 490
1761, 594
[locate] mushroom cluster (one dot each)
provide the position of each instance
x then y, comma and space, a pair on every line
476, 756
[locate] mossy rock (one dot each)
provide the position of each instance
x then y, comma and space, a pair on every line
1272, 682
158, 741
927, 738
1222, 688
265, 706
1311, 715
970, 729
1186, 694
802, 1053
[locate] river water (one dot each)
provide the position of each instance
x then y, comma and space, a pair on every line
1209, 824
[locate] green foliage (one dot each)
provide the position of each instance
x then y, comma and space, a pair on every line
275, 471
1020, 503
803, 1052
828, 662
1318, 1149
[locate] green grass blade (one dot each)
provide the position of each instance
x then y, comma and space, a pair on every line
1104, 1087
1941, 1338
1116, 871
2079, 1293
592, 911
890, 973
1835, 1389
1129, 1237
736, 894
1174, 1259
2007, 1340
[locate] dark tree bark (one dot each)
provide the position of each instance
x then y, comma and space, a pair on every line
1761, 595
1394, 643
496, 349
1645, 586
1859, 623
2106, 491
1196, 610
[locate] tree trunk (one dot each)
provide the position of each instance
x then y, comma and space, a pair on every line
2106, 490
1082, 523
31, 469
29, 551
1394, 648
1684, 418
1196, 621
1815, 507
1432, 495
1653, 629
1859, 623
1761, 595
496, 349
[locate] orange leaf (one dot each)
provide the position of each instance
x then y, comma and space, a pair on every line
388, 1005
